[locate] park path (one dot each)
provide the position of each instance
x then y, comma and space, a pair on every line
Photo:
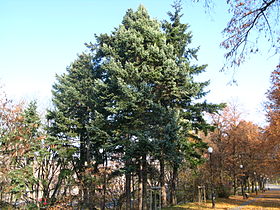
267, 200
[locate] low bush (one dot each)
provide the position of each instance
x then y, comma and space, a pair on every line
223, 191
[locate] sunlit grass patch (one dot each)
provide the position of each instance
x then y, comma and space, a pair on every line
221, 203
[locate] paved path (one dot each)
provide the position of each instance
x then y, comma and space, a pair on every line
268, 200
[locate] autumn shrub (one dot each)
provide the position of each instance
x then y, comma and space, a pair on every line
31, 206
5, 205
223, 191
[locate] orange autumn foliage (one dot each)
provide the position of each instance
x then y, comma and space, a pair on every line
272, 132
236, 142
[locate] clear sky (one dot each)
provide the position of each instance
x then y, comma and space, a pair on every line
40, 38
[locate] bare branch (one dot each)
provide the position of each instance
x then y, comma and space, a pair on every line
247, 16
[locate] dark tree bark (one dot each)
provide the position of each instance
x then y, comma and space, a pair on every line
128, 190
143, 183
162, 183
173, 198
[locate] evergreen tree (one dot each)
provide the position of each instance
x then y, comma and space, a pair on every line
181, 141
77, 119
134, 96
134, 54
19, 143
23, 145
157, 93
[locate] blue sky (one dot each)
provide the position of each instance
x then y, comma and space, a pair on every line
40, 38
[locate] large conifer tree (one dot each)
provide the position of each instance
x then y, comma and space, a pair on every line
134, 96
77, 118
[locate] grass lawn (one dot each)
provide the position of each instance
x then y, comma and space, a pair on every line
268, 200
221, 203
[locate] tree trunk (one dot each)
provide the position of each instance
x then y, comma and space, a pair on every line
128, 190
221, 171
104, 189
144, 181
173, 198
140, 187
56, 190
162, 183
234, 185
248, 185
85, 195
1, 194
143, 184
83, 165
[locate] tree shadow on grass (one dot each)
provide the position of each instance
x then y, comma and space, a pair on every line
269, 200
232, 201
267, 203
207, 205
262, 201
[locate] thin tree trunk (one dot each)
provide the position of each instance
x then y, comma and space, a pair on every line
128, 190
234, 185
173, 198
221, 171
143, 184
162, 183
1, 194
38, 184
85, 193
56, 189
84, 163
133, 190
104, 192
248, 185
140, 188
